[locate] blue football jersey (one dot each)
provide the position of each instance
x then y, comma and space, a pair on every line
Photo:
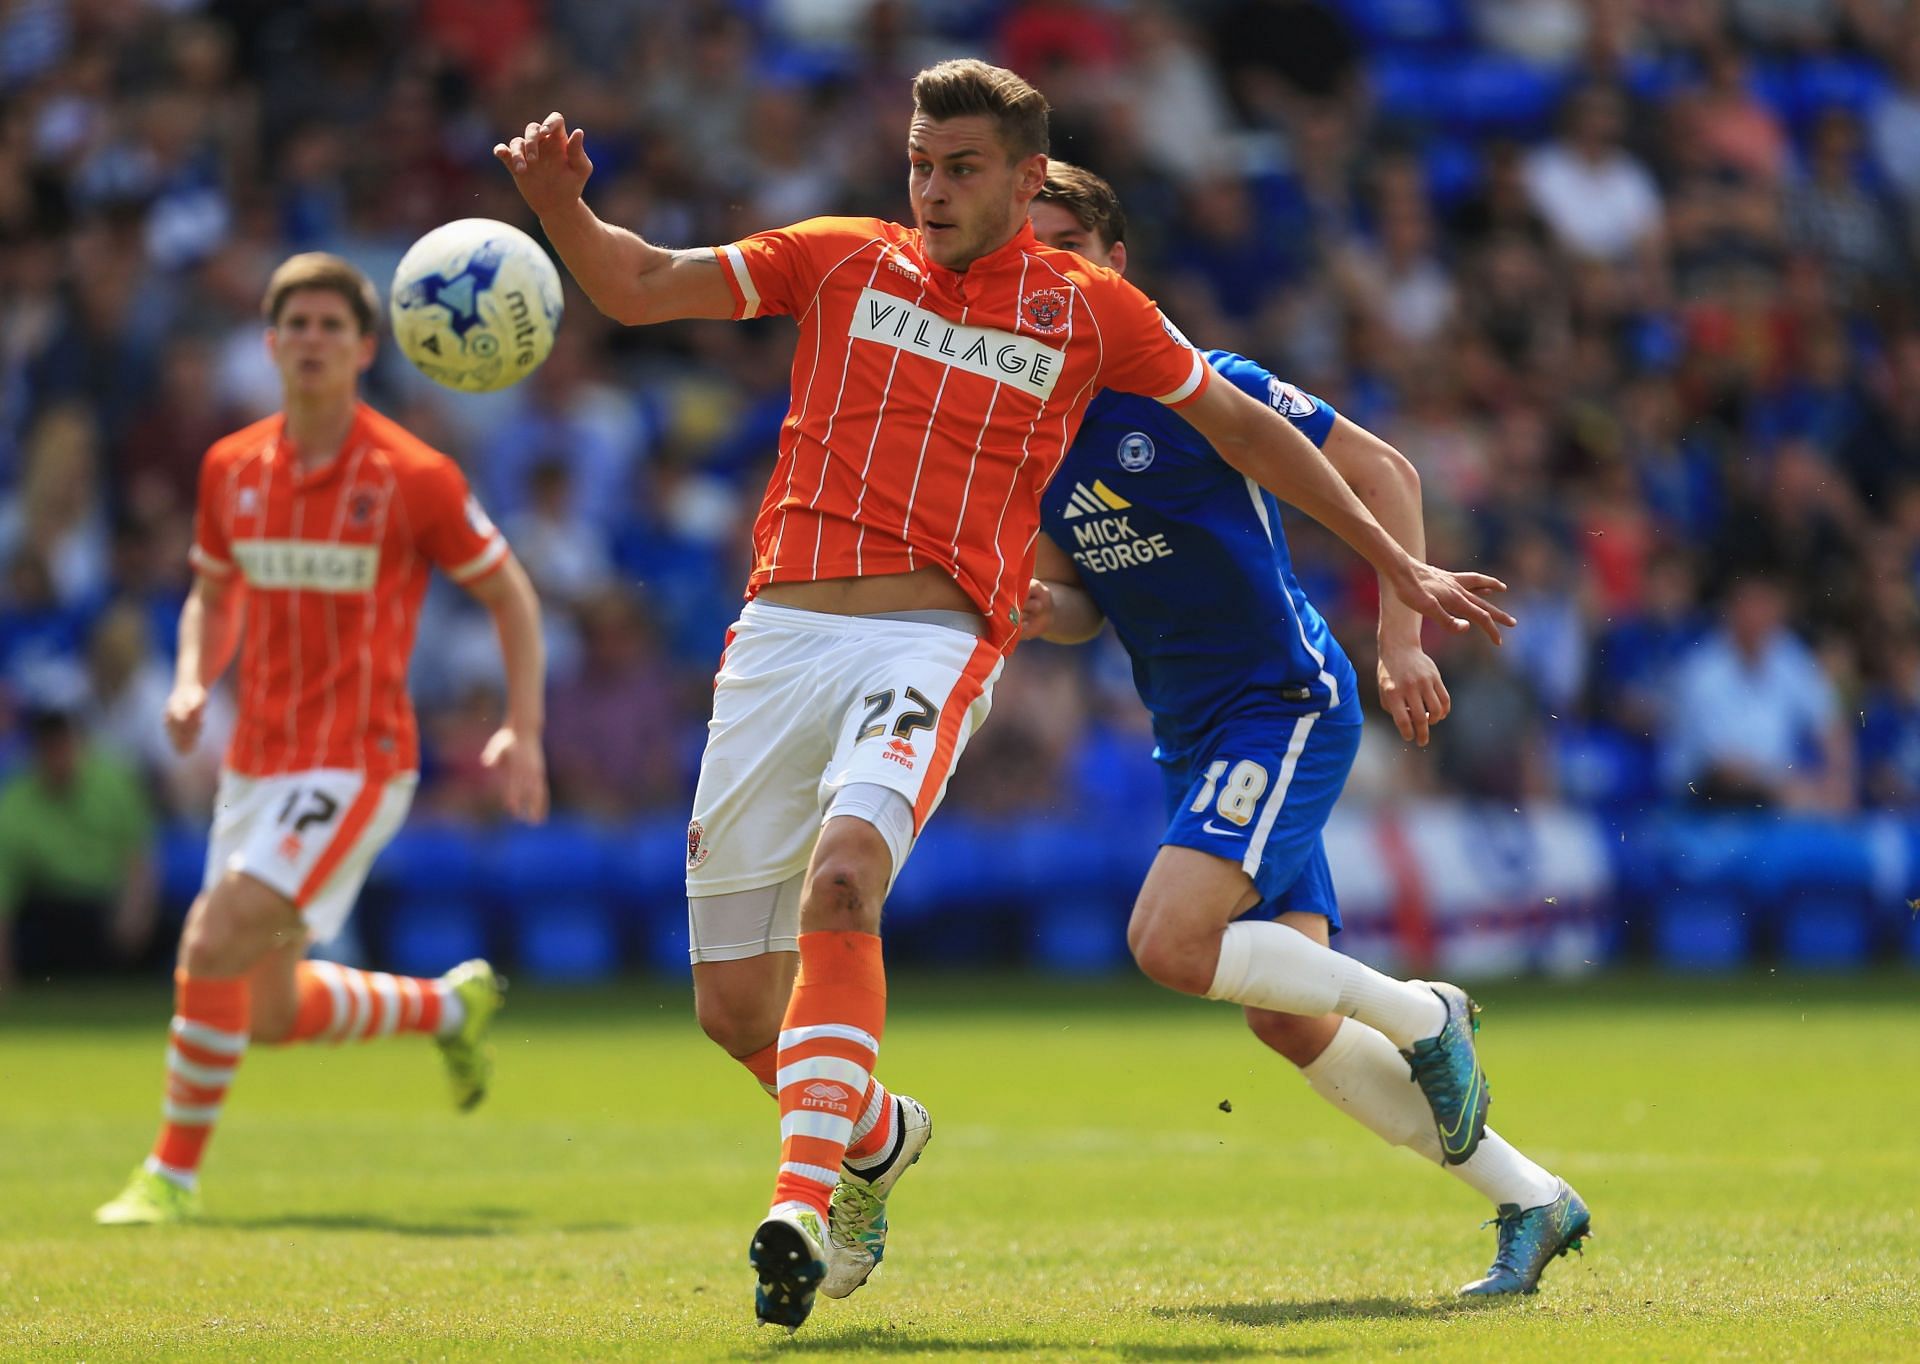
1187, 558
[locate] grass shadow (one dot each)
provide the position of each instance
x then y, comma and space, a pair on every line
484, 1222
907, 1341
880, 1340
1331, 1309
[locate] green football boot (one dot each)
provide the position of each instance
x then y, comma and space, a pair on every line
149, 1200
1530, 1240
467, 1050
1448, 1072
857, 1217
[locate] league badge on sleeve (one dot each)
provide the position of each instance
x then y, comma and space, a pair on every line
1287, 400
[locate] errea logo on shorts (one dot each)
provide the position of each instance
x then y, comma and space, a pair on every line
1016, 361
308, 565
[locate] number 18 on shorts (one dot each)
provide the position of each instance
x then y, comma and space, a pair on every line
1259, 795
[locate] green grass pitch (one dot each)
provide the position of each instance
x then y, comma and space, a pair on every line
1751, 1150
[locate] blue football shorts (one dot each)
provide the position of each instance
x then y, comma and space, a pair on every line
1259, 794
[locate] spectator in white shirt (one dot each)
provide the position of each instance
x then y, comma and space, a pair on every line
1755, 722
1600, 202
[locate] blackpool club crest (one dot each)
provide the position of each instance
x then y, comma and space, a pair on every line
1045, 310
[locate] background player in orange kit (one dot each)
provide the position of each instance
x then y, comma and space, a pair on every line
941, 371
315, 532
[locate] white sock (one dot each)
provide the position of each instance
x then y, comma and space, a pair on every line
1364, 1075
1270, 966
453, 1013
186, 1179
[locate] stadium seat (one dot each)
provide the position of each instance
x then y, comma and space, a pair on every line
566, 857
1409, 23
1454, 169
426, 936
572, 942
1799, 91
1602, 767
1471, 95
1657, 76
1082, 936
182, 865
644, 874
1825, 931
1698, 930
429, 860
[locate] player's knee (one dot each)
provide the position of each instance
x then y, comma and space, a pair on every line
738, 1027
844, 888
1297, 1037
269, 1023
232, 926
210, 942
1171, 958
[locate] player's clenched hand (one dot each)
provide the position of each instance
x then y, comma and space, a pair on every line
523, 773
549, 165
1036, 612
1454, 599
1411, 691
186, 713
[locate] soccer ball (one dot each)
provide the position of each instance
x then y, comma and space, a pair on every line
475, 304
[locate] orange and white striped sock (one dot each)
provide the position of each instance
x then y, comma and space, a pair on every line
872, 1134
829, 1043
208, 1037
341, 1004
764, 1066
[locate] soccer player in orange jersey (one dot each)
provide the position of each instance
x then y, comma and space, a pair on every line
941, 370
315, 534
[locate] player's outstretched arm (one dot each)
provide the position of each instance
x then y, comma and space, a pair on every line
628, 278
1058, 609
1264, 446
514, 750
209, 634
1411, 690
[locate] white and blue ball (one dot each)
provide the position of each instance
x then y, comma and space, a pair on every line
475, 304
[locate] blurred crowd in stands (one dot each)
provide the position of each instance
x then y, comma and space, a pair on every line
1632, 282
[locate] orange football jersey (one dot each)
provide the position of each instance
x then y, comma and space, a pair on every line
930, 407
335, 563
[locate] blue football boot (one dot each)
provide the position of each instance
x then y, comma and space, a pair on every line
789, 1256
1448, 1073
1529, 1241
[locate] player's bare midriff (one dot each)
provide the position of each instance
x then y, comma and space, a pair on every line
924, 589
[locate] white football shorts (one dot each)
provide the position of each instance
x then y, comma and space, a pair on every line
806, 702
311, 836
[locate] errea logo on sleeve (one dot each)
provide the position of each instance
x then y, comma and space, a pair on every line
308, 565
1016, 361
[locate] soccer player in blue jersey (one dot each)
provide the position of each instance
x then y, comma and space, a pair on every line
1256, 714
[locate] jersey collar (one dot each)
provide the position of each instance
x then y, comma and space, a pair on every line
306, 476
1003, 257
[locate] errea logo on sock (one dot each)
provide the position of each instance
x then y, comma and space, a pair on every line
821, 1094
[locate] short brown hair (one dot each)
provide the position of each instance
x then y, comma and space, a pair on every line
319, 270
967, 85
1088, 198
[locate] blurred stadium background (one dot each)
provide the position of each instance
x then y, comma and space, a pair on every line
1631, 281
